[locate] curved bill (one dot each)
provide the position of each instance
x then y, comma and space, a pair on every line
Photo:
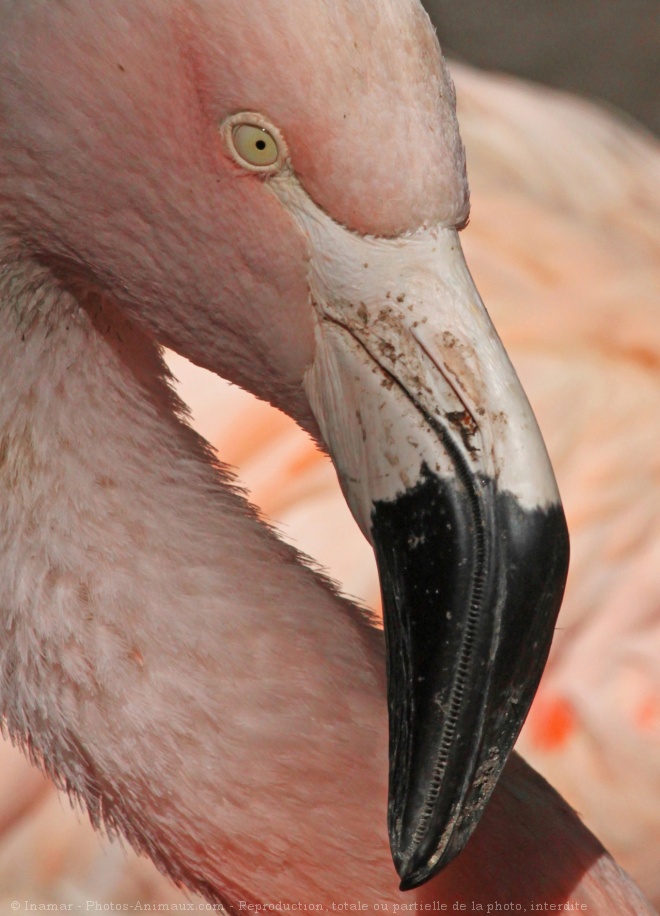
442, 463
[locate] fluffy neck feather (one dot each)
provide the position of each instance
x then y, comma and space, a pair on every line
170, 661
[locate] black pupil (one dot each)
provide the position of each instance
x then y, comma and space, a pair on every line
261, 144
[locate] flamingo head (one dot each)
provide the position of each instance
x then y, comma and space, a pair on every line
274, 191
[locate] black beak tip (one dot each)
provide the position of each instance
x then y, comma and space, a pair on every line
418, 862
419, 868
410, 881
469, 621
414, 877
410, 873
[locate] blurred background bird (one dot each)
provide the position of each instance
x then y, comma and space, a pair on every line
563, 243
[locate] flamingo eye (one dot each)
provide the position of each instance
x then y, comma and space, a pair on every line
253, 143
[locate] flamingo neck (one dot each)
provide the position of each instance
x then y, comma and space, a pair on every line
162, 654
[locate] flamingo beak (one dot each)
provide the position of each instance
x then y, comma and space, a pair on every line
444, 468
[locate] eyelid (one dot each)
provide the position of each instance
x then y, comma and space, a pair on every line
254, 119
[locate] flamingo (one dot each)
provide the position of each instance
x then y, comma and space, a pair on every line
131, 170
588, 183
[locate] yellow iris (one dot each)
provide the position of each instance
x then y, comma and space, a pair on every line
255, 145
